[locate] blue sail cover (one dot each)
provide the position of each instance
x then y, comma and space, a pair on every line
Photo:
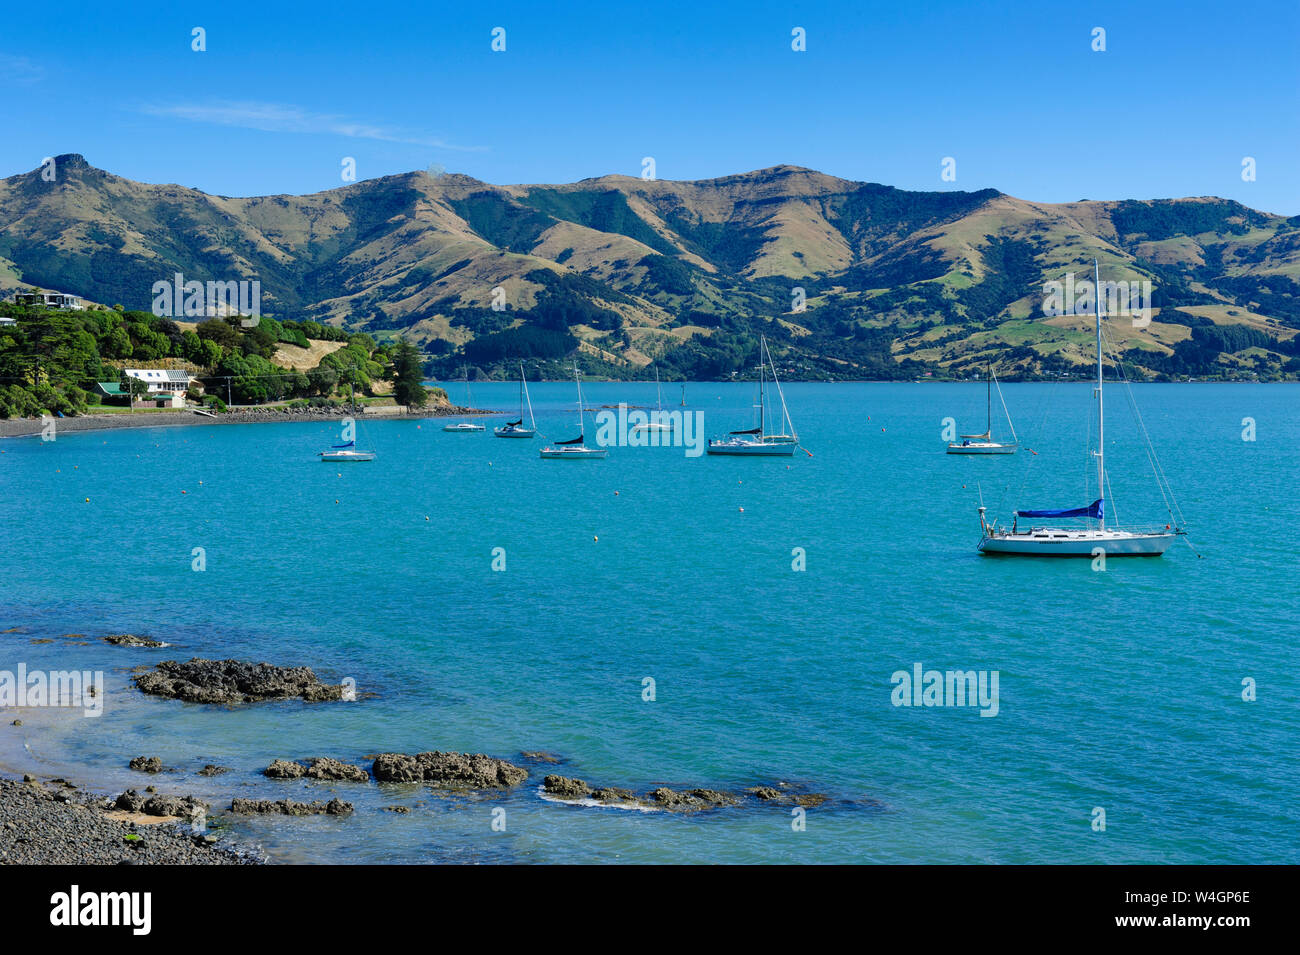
348, 445
1094, 510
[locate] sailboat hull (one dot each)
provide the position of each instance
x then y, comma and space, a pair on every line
1050, 542
751, 449
573, 454
513, 432
982, 447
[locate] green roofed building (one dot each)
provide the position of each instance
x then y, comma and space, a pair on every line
113, 391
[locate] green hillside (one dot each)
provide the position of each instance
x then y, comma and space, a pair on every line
617, 272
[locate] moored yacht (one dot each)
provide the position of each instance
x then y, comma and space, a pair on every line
983, 443
574, 448
759, 442
1095, 537
516, 429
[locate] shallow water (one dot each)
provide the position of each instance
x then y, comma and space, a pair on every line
1118, 689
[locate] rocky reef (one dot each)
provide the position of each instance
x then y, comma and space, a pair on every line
448, 770
232, 682
674, 800
289, 807
319, 767
129, 640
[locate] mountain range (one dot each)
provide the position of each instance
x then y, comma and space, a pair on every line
846, 279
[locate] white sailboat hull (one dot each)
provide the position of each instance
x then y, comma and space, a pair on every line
982, 447
347, 456
463, 427
513, 432
1074, 542
751, 448
574, 453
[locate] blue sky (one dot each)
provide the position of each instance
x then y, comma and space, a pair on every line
1012, 91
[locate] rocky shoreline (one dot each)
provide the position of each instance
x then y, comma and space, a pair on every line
24, 427
55, 823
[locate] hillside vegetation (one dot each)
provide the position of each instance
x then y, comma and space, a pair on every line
50, 361
617, 272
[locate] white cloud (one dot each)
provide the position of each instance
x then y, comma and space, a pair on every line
20, 70
284, 118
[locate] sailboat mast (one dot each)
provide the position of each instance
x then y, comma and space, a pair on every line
1101, 415
988, 404
762, 392
524, 385
582, 430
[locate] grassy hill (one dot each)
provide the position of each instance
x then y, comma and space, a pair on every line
617, 271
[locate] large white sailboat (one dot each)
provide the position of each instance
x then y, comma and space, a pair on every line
516, 429
1095, 536
574, 448
984, 443
759, 442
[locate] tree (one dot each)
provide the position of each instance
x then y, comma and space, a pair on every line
133, 386
219, 331
323, 379
408, 380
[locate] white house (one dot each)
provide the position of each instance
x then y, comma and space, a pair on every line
49, 300
162, 380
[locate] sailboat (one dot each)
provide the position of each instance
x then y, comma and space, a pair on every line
984, 443
658, 421
759, 441
516, 429
574, 448
1095, 535
465, 426
347, 452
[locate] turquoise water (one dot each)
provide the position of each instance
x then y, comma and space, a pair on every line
1118, 689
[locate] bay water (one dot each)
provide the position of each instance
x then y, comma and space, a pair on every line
1118, 689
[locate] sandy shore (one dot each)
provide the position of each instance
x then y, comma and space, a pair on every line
22, 427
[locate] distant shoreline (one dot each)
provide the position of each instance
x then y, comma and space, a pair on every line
30, 427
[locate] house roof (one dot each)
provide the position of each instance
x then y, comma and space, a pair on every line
111, 388
159, 374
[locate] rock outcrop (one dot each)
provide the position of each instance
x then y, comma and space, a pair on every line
448, 770
130, 640
320, 767
233, 681
288, 807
